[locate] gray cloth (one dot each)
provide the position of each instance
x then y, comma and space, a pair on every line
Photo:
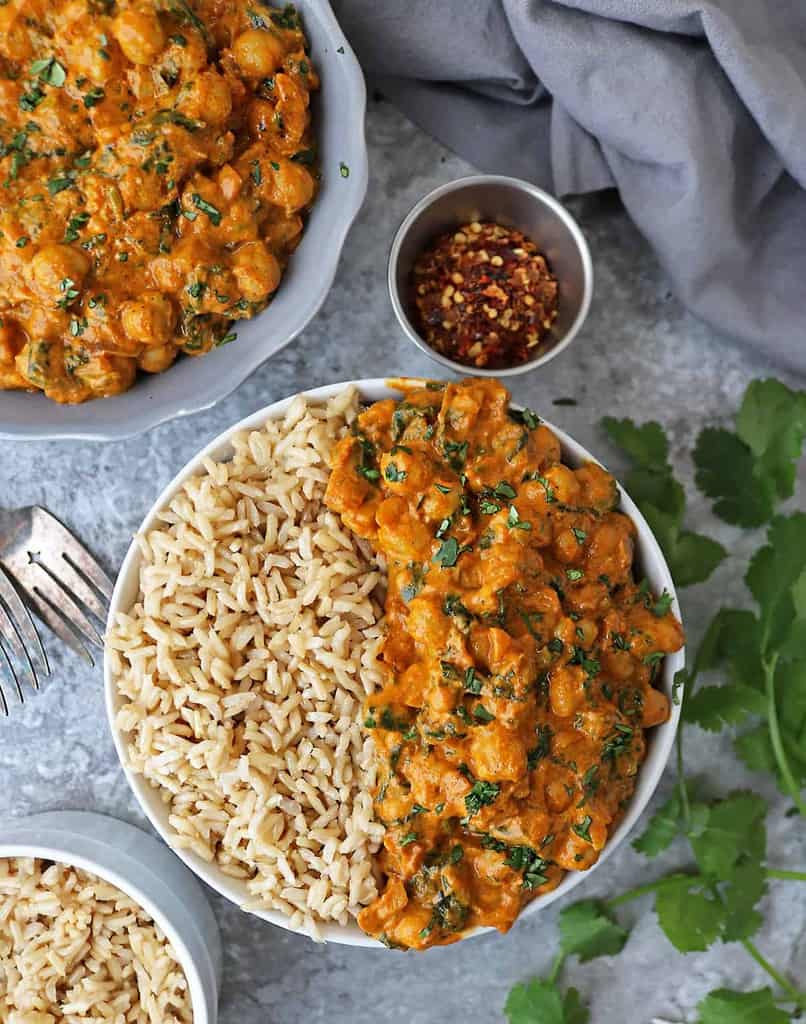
694, 111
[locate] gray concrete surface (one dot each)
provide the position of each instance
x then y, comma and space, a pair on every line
640, 354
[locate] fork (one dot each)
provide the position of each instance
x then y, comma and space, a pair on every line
60, 581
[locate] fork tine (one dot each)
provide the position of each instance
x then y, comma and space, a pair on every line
10, 667
3, 701
22, 618
75, 585
76, 552
57, 624
34, 577
10, 633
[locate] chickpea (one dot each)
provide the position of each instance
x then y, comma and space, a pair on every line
157, 358
655, 709
260, 115
556, 795
292, 186
149, 319
567, 546
209, 98
258, 52
544, 446
140, 35
108, 375
256, 271
564, 484
566, 691
230, 182
598, 487
585, 633
53, 265
11, 341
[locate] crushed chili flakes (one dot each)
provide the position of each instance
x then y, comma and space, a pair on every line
484, 296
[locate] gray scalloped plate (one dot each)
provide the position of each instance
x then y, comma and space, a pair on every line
192, 385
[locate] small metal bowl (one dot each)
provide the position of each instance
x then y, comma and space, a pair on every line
514, 203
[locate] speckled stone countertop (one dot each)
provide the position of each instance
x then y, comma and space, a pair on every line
639, 354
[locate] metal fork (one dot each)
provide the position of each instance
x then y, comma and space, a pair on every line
60, 581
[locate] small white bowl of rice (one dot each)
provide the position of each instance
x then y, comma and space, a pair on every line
99, 921
242, 643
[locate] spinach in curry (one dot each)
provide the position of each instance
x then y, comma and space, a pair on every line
154, 170
521, 655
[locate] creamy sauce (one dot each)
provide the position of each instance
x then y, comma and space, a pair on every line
521, 655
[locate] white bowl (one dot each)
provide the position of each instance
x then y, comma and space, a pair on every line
144, 870
660, 739
194, 384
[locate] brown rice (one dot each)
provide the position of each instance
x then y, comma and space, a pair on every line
74, 948
245, 664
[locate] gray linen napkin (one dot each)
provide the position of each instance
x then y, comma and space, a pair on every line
694, 111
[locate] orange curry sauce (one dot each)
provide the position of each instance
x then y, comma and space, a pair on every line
520, 652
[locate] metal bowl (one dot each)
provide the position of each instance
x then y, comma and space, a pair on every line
513, 203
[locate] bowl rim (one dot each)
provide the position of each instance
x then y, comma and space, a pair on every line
148, 797
537, 195
347, 205
57, 844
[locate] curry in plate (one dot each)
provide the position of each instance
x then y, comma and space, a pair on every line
520, 657
155, 169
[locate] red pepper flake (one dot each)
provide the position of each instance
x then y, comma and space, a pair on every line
484, 296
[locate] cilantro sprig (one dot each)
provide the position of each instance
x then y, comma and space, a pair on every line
747, 472
652, 485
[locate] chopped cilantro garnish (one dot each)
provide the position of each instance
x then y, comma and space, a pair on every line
393, 474
582, 828
49, 71
212, 212
480, 795
514, 521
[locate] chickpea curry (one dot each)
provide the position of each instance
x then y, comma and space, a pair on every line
520, 654
155, 168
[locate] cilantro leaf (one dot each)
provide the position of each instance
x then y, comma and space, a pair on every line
734, 828
714, 707
662, 828
541, 1002
755, 749
694, 557
651, 484
480, 795
691, 917
589, 929
733, 635
725, 472
646, 444
725, 1007
772, 423
447, 553
740, 896
774, 571
658, 488
794, 646
749, 471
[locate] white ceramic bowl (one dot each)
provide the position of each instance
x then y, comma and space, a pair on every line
191, 385
144, 870
660, 740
